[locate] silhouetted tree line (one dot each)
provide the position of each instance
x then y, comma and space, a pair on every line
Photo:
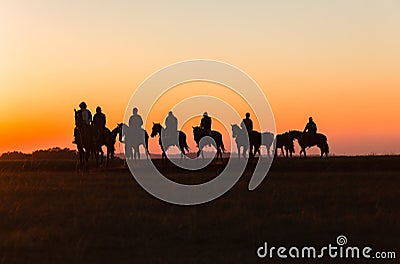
51, 153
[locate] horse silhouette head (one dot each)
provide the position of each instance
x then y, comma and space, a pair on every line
156, 129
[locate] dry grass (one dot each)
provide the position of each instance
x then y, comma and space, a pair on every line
52, 214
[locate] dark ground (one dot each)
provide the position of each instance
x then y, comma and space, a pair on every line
49, 213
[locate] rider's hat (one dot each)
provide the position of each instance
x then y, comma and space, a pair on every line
98, 109
205, 114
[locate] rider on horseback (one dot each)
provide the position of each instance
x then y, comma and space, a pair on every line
171, 126
99, 122
135, 125
247, 123
135, 121
311, 128
83, 118
205, 124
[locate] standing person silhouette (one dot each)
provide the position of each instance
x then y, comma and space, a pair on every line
171, 126
205, 124
247, 123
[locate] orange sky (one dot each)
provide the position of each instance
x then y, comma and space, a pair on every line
339, 62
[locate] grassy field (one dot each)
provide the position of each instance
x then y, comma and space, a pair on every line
50, 213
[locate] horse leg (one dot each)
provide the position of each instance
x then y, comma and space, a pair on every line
102, 155
108, 156
146, 151
96, 156
183, 154
134, 152
87, 155
81, 152
258, 151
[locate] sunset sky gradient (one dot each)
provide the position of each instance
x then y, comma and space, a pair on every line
338, 61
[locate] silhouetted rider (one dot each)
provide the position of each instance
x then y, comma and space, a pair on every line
83, 118
247, 123
99, 122
135, 121
311, 127
171, 125
205, 124
99, 119
135, 126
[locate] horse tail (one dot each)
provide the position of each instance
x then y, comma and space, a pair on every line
325, 143
185, 146
326, 147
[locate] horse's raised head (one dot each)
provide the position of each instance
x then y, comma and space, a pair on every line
235, 129
156, 129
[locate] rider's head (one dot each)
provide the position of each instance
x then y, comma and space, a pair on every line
83, 105
135, 110
205, 114
310, 119
247, 115
98, 109
170, 113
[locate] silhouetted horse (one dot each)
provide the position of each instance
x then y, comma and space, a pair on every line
307, 140
255, 139
108, 138
284, 140
85, 140
133, 141
199, 133
158, 129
